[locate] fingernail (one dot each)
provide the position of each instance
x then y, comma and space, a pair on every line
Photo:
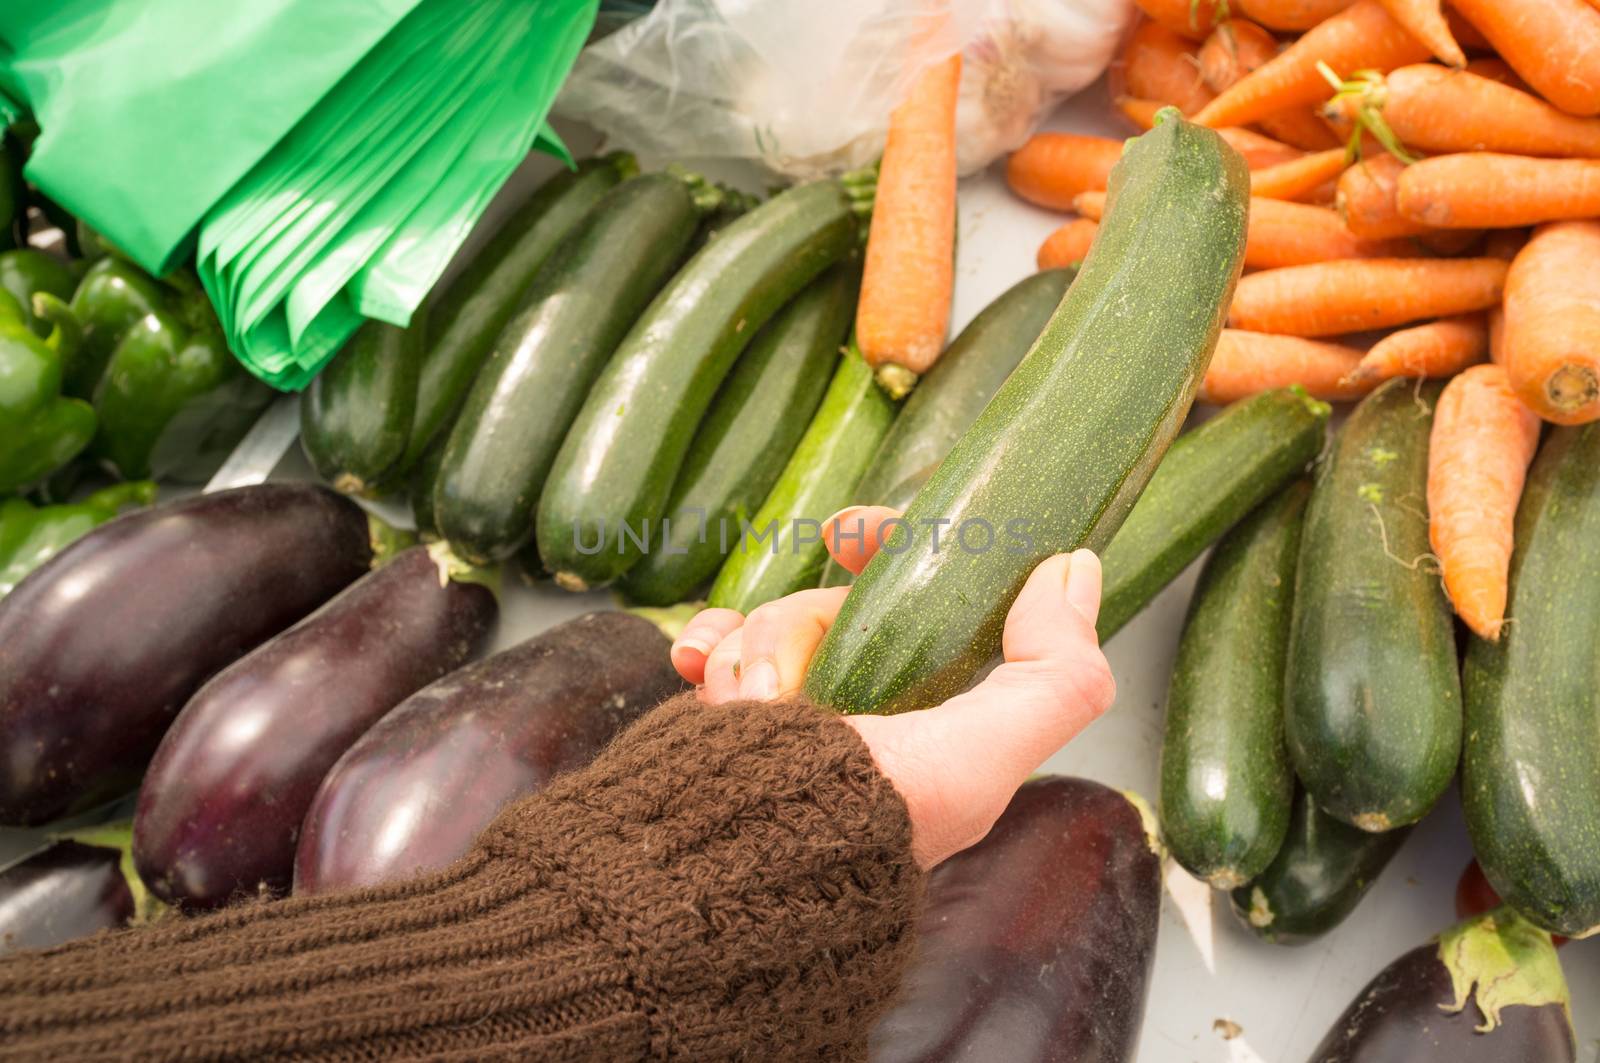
689, 642
759, 681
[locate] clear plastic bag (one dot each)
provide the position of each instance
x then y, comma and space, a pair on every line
805, 88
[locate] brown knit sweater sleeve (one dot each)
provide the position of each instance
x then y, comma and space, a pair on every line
722, 883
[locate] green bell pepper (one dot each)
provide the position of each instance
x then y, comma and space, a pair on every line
24, 272
113, 296
42, 429
31, 535
172, 400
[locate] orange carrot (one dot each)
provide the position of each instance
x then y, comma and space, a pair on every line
1235, 49
1051, 168
1258, 151
1330, 298
1191, 18
1478, 454
1157, 64
1553, 44
1298, 178
1361, 37
1466, 34
1424, 20
1287, 234
1482, 190
1439, 110
1068, 244
1291, 14
1366, 199
1552, 329
909, 273
1248, 363
1496, 69
1438, 349
1503, 244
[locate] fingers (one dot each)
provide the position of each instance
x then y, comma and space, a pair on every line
855, 533
1054, 682
958, 764
779, 638
722, 671
699, 637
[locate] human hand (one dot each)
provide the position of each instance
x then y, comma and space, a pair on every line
957, 764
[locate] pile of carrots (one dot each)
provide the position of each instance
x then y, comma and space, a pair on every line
1425, 202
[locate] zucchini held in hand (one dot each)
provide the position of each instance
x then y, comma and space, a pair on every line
101, 646
954, 392
221, 805
413, 793
609, 487
1057, 459
1373, 714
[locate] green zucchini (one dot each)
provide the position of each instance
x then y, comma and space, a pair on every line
1226, 785
469, 313
1318, 877
1531, 772
1208, 481
953, 393
356, 416
419, 487
578, 307
1057, 459
754, 425
1373, 712
817, 483
612, 478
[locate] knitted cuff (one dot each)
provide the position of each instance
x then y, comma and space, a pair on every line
748, 864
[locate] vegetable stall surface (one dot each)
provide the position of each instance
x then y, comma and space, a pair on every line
221, 804
1069, 440
608, 489
1530, 776
1373, 714
1036, 944
1489, 990
414, 792
1226, 784
101, 646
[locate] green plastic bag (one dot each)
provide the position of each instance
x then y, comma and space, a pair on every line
387, 127
149, 110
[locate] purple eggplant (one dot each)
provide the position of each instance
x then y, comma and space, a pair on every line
220, 808
1512, 1006
415, 791
66, 891
101, 646
1036, 944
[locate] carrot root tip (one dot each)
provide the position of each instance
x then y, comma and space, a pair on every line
896, 380
1572, 388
